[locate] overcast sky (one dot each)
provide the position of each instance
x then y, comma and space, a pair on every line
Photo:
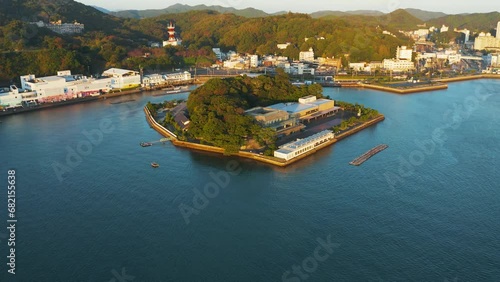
302, 6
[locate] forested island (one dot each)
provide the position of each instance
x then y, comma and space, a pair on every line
217, 113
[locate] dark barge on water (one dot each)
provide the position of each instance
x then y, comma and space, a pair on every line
363, 158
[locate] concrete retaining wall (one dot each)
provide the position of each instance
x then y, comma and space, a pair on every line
261, 158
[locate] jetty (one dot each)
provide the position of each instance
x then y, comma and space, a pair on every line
363, 158
148, 144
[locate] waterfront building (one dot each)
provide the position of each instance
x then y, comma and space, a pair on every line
296, 68
12, 97
121, 78
398, 65
308, 108
357, 66
173, 40
374, 65
152, 80
302, 146
178, 76
63, 86
307, 56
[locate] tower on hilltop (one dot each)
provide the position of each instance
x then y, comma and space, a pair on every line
172, 39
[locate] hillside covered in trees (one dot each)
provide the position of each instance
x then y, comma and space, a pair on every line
217, 109
109, 41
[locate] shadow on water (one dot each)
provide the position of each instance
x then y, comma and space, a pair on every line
219, 161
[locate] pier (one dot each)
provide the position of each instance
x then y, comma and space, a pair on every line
163, 141
363, 158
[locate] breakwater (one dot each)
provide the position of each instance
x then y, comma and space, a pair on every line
468, 77
407, 90
253, 156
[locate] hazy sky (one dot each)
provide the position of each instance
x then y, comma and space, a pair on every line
449, 7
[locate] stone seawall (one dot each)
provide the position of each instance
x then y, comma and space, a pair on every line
409, 90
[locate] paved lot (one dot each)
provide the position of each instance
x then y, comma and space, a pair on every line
316, 126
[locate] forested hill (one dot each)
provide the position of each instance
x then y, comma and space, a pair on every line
474, 22
53, 10
398, 19
109, 41
332, 37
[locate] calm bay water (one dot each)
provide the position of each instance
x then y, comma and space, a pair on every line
425, 209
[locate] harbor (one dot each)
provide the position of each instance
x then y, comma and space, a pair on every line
363, 158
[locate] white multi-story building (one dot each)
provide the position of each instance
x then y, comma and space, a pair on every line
486, 41
254, 61
63, 86
152, 80
300, 147
178, 76
218, 53
398, 65
307, 56
121, 78
444, 28
296, 68
11, 97
498, 30
357, 66
403, 53
492, 60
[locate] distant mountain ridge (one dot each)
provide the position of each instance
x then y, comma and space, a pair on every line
255, 13
425, 15
106, 11
320, 14
182, 8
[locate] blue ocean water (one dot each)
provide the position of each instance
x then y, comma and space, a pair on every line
91, 208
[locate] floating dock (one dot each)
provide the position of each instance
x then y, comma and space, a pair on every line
363, 158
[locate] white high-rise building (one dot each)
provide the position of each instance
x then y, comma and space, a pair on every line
498, 30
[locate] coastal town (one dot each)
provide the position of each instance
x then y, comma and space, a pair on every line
250, 140
416, 68
413, 67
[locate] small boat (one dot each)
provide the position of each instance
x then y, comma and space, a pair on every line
155, 165
173, 91
146, 144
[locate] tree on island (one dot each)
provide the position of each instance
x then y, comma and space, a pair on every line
217, 108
